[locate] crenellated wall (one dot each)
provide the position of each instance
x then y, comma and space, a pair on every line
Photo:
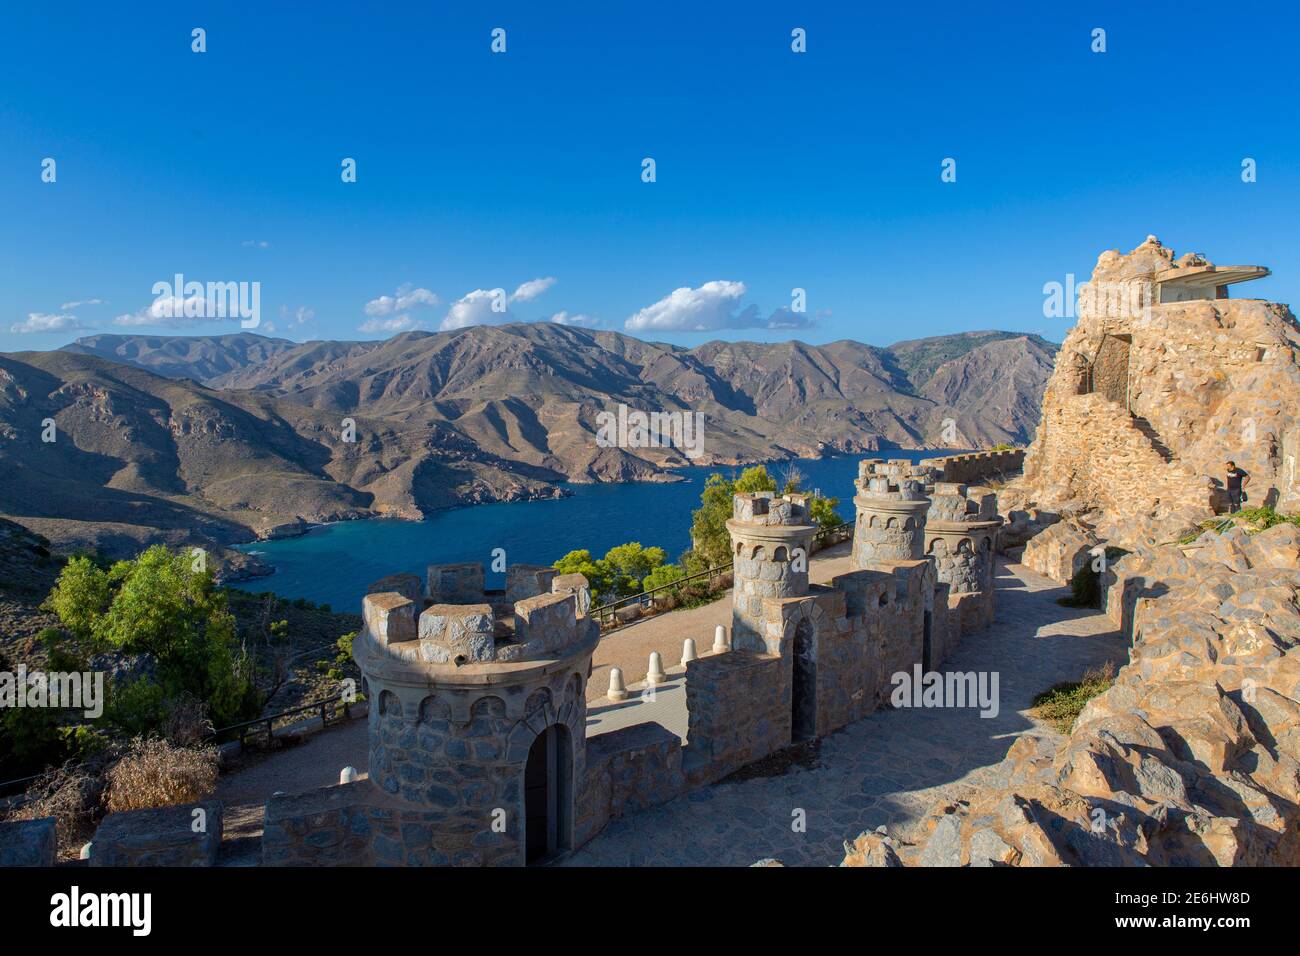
464, 692
978, 466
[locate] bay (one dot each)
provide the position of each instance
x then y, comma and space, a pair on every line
333, 564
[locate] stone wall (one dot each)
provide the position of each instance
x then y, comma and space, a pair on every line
739, 712
1090, 456
187, 834
978, 466
629, 769
354, 824
1204, 381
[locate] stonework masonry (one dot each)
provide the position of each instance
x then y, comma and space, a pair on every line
477, 719
1154, 391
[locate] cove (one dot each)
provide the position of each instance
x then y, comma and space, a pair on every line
334, 563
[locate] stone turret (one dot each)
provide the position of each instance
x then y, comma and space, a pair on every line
771, 538
891, 512
478, 710
961, 535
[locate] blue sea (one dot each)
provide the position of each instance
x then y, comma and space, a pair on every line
333, 564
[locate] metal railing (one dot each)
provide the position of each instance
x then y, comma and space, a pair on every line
607, 614
328, 709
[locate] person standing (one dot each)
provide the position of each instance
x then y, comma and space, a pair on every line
1238, 479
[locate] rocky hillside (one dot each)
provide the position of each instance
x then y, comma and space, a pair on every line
201, 358
214, 439
137, 458
1192, 758
1143, 409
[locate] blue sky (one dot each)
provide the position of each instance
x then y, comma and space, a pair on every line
775, 170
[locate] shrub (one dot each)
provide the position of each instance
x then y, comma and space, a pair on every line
187, 722
1061, 705
164, 606
136, 707
158, 773
71, 796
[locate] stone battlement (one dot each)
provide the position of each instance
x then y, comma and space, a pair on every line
955, 503
766, 509
459, 623
977, 466
479, 698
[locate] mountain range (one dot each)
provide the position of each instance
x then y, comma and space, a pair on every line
217, 439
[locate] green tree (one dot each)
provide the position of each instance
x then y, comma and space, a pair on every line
630, 563
81, 595
664, 574
823, 512
160, 605
598, 573
709, 525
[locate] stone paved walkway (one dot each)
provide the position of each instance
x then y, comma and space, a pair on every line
888, 769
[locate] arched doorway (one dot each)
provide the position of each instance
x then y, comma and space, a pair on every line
548, 795
803, 692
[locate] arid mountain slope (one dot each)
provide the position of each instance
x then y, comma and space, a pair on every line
200, 357
481, 414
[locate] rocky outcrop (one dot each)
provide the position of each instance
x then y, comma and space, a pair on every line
1190, 758
1149, 398
1060, 551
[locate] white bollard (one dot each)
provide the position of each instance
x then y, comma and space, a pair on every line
688, 651
347, 775
719, 639
655, 675
616, 689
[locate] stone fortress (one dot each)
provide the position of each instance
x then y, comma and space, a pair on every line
1163, 379
477, 724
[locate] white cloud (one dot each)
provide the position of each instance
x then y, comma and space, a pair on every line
171, 310
492, 306
714, 305
480, 307
68, 306
532, 289
585, 321
164, 310
47, 322
405, 299
255, 244
291, 318
398, 323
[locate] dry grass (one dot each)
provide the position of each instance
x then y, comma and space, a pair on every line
71, 796
158, 773
187, 722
